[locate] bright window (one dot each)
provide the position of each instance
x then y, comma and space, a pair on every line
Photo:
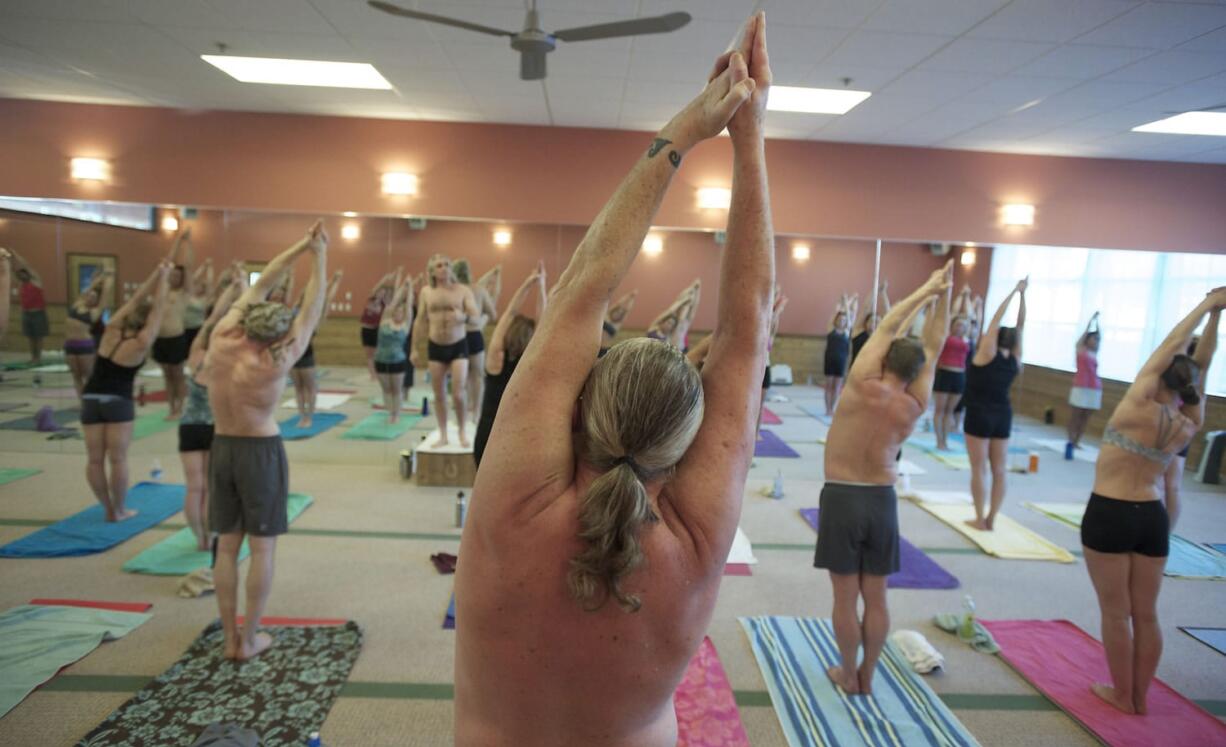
1141, 296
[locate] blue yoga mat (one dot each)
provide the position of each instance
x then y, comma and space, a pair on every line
1219, 546
88, 531
449, 618
770, 445
1214, 638
1190, 560
320, 422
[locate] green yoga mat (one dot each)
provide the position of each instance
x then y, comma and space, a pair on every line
151, 423
376, 428
13, 474
177, 554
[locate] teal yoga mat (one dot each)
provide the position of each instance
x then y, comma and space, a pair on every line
13, 474
376, 428
320, 422
61, 417
150, 423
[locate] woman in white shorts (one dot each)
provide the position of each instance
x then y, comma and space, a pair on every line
1086, 396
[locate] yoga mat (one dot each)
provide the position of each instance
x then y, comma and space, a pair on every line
1219, 546
1214, 638
707, 715
18, 365
37, 641
814, 411
915, 569
770, 418
88, 532
151, 423
737, 569
13, 474
177, 554
376, 428
159, 396
62, 419
1084, 454
284, 694
323, 401
152, 373
926, 442
66, 392
10, 406
1009, 540
794, 653
320, 422
908, 467
770, 445
449, 616
51, 368
1061, 660
426, 446
1187, 559
942, 496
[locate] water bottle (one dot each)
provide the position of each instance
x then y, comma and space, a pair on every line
777, 490
156, 473
967, 630
313, 740
1068, 451
461, 509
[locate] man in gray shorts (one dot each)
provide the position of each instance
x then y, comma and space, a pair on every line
250, 353
886, 392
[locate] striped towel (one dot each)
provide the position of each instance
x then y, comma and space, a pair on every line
794, 652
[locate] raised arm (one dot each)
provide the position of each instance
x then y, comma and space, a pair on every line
153, 322
985, 351
22, 264
6, 289
884, 297
936, 329
334, 285
275, 272
495, 354
618, 311
1091, 326
143, 291
1203, 357
421, 328
1020, 327
200, 345
492, 283
181, 253
895, 324
404, 295
313, 297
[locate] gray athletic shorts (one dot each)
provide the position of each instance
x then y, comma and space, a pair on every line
858, 529
248, 485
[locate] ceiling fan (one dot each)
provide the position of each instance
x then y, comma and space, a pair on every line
533, 44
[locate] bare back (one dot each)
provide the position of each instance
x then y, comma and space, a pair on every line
245, 379
1142, 418
447, 309
172, 317
874, 417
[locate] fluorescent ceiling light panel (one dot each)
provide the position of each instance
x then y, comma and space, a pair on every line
814, 100
298, 72
1188, 123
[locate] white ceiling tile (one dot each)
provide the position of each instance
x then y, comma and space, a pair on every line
1200, 94
838, 13
1159, 26
553, 20
1082, 61
885, 49
492, 55
504, 17
943, 123
564, 87
691, 70
356, 18
1050, 20
68, 10
1173, 67
180, 13
985, 55
932, 86
293, 16
500, 80
580, 60
426, 56
1012, 91
804, 43
1214, 41
200, 41
1217, 155
675, 95
862, 78
948, 17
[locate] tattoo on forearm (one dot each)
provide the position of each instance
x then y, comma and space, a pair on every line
658, 144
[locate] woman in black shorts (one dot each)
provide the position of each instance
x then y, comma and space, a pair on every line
373, 313
989, 415
306, 389
107, 410
838, 349
1125, 531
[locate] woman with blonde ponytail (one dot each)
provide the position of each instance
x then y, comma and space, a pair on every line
610, 489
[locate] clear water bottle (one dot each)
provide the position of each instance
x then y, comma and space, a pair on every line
967, 630
155, 474
461, 509
777, 489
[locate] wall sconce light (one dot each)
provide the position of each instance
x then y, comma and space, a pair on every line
502, 238
1017, 214
801, 252
170, 223
351, 232
653, 245
968, 257
714, 198
349, 214
90, 169
399, 183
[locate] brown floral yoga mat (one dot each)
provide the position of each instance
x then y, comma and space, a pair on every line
284, 694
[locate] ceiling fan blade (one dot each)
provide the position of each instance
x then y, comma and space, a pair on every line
653, 25
396, 10
532, 65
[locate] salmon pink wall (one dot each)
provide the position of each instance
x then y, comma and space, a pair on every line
556, 175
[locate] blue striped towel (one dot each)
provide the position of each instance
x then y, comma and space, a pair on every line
794, 653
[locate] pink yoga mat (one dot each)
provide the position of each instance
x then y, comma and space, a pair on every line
737, 569
1061, 660
770, 418
706, 709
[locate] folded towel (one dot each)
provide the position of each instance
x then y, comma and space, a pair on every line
197, 583
982, 641
921, 655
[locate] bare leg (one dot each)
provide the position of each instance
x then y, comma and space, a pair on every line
78, 366
876, 627
259, 585
1144, 584
828, 391
459, 377
847, 630
1172, 480
95, 467
438, 380
118, 438
977, 450
1109, 572
476, 382
998, 455
836, 389
939, 401
295, 375
310, 394
36, 349
390, 401
395, 391
370, 361
1074, 416
761, 406
225, 583
194, 472
168, 376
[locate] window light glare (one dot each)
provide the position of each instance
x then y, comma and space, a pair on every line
1188, 123
714, 198
814, 100
801, 252
968, 258
351, 232
90, 169
653, 245
170, 224
502, 237
1017, 214
285, 72
399, 183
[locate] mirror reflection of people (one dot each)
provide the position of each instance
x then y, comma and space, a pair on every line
868, 323
950, 381
614, 320
372, 313
6, 290
82, 315
199, 296
171, 347
857, 539
302, 375
107, 409
390, 359
1086, 396
442, 311
610, 489
1125, 531
838, 349
34, 323
474, 328
989, 413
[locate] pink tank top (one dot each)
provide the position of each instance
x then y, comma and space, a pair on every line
32, 297
953, 355
1087, 371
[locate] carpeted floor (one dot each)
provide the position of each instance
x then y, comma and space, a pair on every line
361, 552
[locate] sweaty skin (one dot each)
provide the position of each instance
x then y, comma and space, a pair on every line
447, 312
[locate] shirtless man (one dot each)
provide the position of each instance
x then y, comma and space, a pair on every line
609, 493
171, 347
442, 313
250, 353
857, 539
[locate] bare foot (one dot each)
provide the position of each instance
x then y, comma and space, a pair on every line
393, 418
123, 515
991, 524
979, 524
865, 680
850, 685
230, 650
255, 648
442, 441
304, 421
463, 440
1107, 693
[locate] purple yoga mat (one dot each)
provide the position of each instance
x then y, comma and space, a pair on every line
915, 569
770, 445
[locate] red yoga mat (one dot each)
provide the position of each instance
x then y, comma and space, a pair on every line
1061, 660
707, 715
115, 606
737, 569
770, 418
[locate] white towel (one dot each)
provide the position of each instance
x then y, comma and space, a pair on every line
741, 551
921, 654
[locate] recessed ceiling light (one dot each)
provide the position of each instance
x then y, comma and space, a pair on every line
801, 252
298, 72
814, 100
1017, 214
351, 232
502, 237
1188, 123
399, 183
170, 224
349, 214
